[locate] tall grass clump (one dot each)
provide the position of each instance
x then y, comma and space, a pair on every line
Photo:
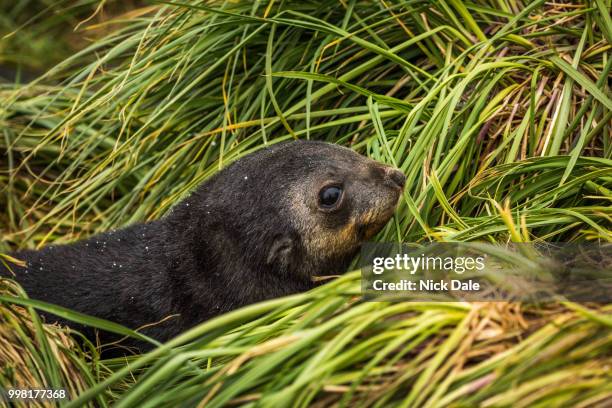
34, 355
497, 112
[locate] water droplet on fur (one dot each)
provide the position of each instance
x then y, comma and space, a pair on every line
246, 177
114, 263
41, 268
147, 248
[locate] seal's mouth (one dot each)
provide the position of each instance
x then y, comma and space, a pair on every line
367, 230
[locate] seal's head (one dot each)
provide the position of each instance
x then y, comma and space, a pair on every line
299, 208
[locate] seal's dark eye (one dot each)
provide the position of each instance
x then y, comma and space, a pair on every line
329, 196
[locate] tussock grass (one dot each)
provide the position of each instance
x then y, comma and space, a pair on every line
498, 113
327, 347
34, 355
165, 101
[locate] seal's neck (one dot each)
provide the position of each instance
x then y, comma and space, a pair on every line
220, 267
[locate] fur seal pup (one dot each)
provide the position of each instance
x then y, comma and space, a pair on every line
260, 228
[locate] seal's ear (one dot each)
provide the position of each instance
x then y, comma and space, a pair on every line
281, 252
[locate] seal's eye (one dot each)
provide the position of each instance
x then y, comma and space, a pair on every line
329, 196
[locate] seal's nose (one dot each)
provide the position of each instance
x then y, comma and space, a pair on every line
396, 177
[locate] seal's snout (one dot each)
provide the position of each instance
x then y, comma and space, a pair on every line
395, 177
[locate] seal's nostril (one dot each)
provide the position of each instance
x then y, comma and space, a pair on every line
397, 177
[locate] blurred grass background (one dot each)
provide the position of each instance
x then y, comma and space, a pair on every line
37, 34
497, 111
